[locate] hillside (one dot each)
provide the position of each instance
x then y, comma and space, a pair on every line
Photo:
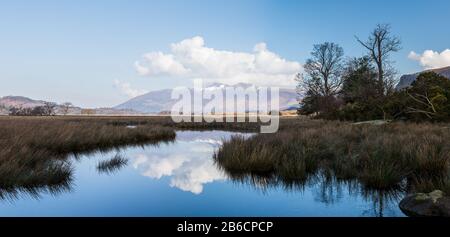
19, 101
408, 79
160, 100
7, 102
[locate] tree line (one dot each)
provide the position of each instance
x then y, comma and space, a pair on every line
363, 88
47, 109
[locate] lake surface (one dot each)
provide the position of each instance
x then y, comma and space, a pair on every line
180, 178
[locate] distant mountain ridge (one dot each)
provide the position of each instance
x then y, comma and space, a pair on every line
20, 101
407, 80
154, 102
8, 102
160, 101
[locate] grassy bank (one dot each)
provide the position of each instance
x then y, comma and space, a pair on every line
33, 151
413, 157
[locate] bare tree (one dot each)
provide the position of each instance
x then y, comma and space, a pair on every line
48, 109
324, 69
322, 80
380, 44
65, 107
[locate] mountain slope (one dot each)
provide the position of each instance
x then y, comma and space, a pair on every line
407, 80
19, 101
8, 102
152, 102
160, 100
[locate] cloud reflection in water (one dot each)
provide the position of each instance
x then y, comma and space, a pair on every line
188, 161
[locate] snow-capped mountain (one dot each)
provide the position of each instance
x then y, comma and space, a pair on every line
160, 101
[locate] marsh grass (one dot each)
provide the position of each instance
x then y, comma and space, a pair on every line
411, 157
34, 151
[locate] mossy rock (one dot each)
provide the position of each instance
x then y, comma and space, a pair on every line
435, 203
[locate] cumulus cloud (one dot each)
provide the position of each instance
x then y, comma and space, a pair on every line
126, 89
160, 64
190, 59
430, 59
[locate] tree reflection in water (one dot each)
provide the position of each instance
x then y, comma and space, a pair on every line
326, 188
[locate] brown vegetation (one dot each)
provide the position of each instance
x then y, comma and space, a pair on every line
413, 157
33, 150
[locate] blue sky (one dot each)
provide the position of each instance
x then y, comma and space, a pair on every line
75, 50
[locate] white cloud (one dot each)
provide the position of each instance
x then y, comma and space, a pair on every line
190, 59
160, 64
430, 59
125, 88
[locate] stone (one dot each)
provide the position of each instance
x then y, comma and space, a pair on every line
426, 204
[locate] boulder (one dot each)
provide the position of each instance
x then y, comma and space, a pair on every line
426, 204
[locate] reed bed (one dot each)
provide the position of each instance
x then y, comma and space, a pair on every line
414, 157
34, 151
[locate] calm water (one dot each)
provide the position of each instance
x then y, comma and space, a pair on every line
181, 179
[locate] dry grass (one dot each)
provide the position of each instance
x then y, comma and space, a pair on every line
415, 157
33, 151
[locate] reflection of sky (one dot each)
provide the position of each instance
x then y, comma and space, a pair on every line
188, 163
